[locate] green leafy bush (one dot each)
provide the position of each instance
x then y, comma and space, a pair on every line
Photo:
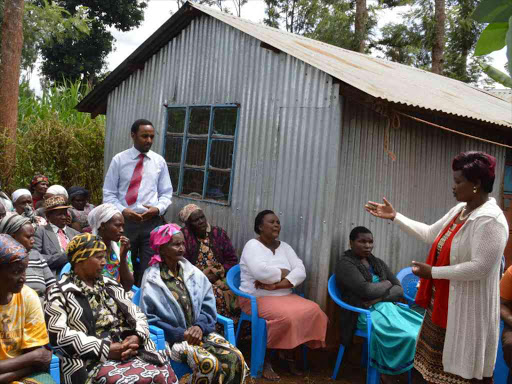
58, 141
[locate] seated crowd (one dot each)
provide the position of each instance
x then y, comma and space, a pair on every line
68, 276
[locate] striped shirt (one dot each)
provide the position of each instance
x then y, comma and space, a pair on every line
39, 276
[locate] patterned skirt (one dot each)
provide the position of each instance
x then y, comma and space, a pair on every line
428, 360
134, 371
214, 361
36, 378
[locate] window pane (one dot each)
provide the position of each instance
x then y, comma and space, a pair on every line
193, 183
224, 121
221, 155
174, 172
196, 152
199, 120
173, 146
176, 120
218, 185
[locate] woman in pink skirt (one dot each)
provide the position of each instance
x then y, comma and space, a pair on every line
269, 269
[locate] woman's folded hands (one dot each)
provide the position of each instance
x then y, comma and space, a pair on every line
125, 350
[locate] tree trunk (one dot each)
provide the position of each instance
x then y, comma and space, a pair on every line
439, 37
12, 43
360, 26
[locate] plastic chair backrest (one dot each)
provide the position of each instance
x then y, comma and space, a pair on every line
409, 282
335, 294
65, 269
233, 279
136, 297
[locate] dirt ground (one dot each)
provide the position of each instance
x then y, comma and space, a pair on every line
321, 366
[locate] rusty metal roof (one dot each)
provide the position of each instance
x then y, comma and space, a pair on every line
379, 78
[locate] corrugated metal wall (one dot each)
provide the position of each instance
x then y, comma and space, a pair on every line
289, 135
292, 155
418, 184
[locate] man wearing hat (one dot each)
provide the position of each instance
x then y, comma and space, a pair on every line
52, 239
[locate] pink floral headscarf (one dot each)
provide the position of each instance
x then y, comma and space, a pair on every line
159, 236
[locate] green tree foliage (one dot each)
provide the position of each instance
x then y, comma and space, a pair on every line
46, 20
55, 139
83, 58
336, 24
497, 34
411, 42
297, 16
330, 21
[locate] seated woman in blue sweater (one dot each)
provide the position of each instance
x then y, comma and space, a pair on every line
177, 297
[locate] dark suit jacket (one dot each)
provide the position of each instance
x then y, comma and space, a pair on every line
47, 244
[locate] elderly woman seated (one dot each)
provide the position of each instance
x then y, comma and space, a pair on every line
269, 269
39, 277
23, 355
78, 197
210, 249
366, 282
178, 297
100, 335
108, 223
22, 201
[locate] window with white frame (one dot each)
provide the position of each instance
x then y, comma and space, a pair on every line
200, 150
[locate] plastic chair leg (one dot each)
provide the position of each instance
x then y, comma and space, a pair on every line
364, 355
372, 375
305, 356
238, 329
338, 361
258, 347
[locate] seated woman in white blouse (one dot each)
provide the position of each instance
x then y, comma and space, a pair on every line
269, 269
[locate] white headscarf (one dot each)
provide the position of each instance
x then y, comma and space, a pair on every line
57, 190
20, 192
101, 214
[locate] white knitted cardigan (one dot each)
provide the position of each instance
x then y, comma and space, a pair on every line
472, 329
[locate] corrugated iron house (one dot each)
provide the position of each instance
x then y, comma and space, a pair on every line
250, 117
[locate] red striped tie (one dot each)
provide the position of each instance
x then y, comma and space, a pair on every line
133, 188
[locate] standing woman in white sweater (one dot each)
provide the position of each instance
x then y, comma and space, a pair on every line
459, 283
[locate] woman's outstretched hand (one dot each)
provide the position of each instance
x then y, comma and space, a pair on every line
422, 270
382, 211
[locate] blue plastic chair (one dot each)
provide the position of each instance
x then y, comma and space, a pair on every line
258, 325
55, 369
65, 269
500, 369
409, 282
372, 375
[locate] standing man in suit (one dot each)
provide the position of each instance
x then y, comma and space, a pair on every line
139, 185
52, 239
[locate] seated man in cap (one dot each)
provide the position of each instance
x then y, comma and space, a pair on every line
52, 239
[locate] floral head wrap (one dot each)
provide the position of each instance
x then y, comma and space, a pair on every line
159, 236
187, 211
10, 250
84, 246
37, 179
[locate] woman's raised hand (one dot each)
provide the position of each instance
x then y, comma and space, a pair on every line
382, 211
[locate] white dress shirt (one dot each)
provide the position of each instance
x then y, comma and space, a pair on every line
155, 188
259, 263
